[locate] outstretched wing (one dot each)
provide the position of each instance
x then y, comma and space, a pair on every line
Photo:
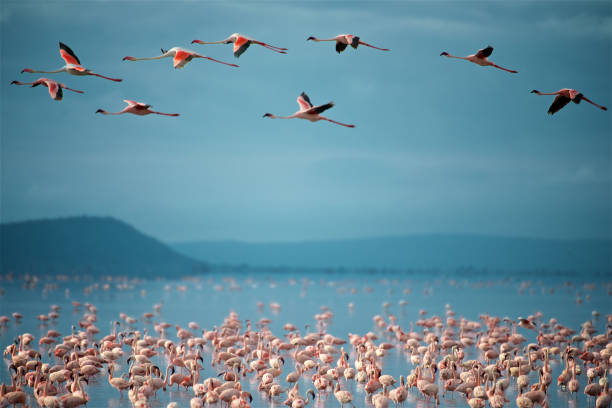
340, 47
134, 103
55, 90
320, 108
304, 101
68, 55
485, 52
240, 46
559, 102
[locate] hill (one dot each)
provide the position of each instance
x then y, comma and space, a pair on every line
92, 245
443, 252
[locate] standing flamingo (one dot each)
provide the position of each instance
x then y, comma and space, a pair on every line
241, 43
480, 58
564, 96
181, 57
73, 65
344, 40
136, 108
309, 112
55, 88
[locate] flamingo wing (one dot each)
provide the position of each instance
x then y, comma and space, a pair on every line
68, 55
340, 46
240, 46
320, 108
559, 102
485, 52
136, 104
181, 58
304, 101
55, 90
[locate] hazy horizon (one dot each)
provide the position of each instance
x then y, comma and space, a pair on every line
440, 145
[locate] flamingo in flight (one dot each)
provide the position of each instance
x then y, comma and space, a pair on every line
181, 57
73, 65
481, 58
308, 111
55, 88
564, 96
344, 40
136, 108
241, 43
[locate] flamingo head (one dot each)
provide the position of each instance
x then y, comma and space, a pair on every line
27, 70
100, 111
311, 38
535, 91
267, 115
443, 53
15, 82
128, 58
197, 42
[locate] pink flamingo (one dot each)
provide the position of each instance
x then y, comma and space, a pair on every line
180, 55
241, 43
55, 88
308, 111
564, 96
344, 40
480, 58
136, 108
73, 65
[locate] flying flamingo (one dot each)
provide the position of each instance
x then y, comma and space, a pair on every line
73, 65
344, 40
181, 57
55, 88
241, 43
564, 96
480, 58
136, 108
308, 112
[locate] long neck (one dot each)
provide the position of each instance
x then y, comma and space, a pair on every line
324, 39
454, 56
62, 69
152, 58
214, 42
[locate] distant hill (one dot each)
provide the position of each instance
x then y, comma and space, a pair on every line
92, 245
442, 252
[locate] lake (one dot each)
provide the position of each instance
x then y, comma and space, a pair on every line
208, 299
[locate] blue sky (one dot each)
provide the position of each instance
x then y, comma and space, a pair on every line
439, 146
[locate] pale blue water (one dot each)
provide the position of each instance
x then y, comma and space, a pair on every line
209, 298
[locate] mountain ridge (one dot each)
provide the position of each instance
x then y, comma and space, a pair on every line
87, 244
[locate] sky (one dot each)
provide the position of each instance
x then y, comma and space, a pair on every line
440, 145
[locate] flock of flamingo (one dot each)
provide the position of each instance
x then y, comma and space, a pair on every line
473, 361
307, 110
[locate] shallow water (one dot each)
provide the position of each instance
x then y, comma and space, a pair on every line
208, 299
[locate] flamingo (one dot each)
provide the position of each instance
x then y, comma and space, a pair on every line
55, 88
480, 58
564, 96
73, 65
181, 57
137, 108
308, 111
344, 40
241, 43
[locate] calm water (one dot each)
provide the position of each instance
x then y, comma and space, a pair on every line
209, 298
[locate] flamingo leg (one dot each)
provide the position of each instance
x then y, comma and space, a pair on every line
505, 69
338, 123
70, 89
165, 114
105, 77
212, 59
269, 45
593, 103
370, 45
